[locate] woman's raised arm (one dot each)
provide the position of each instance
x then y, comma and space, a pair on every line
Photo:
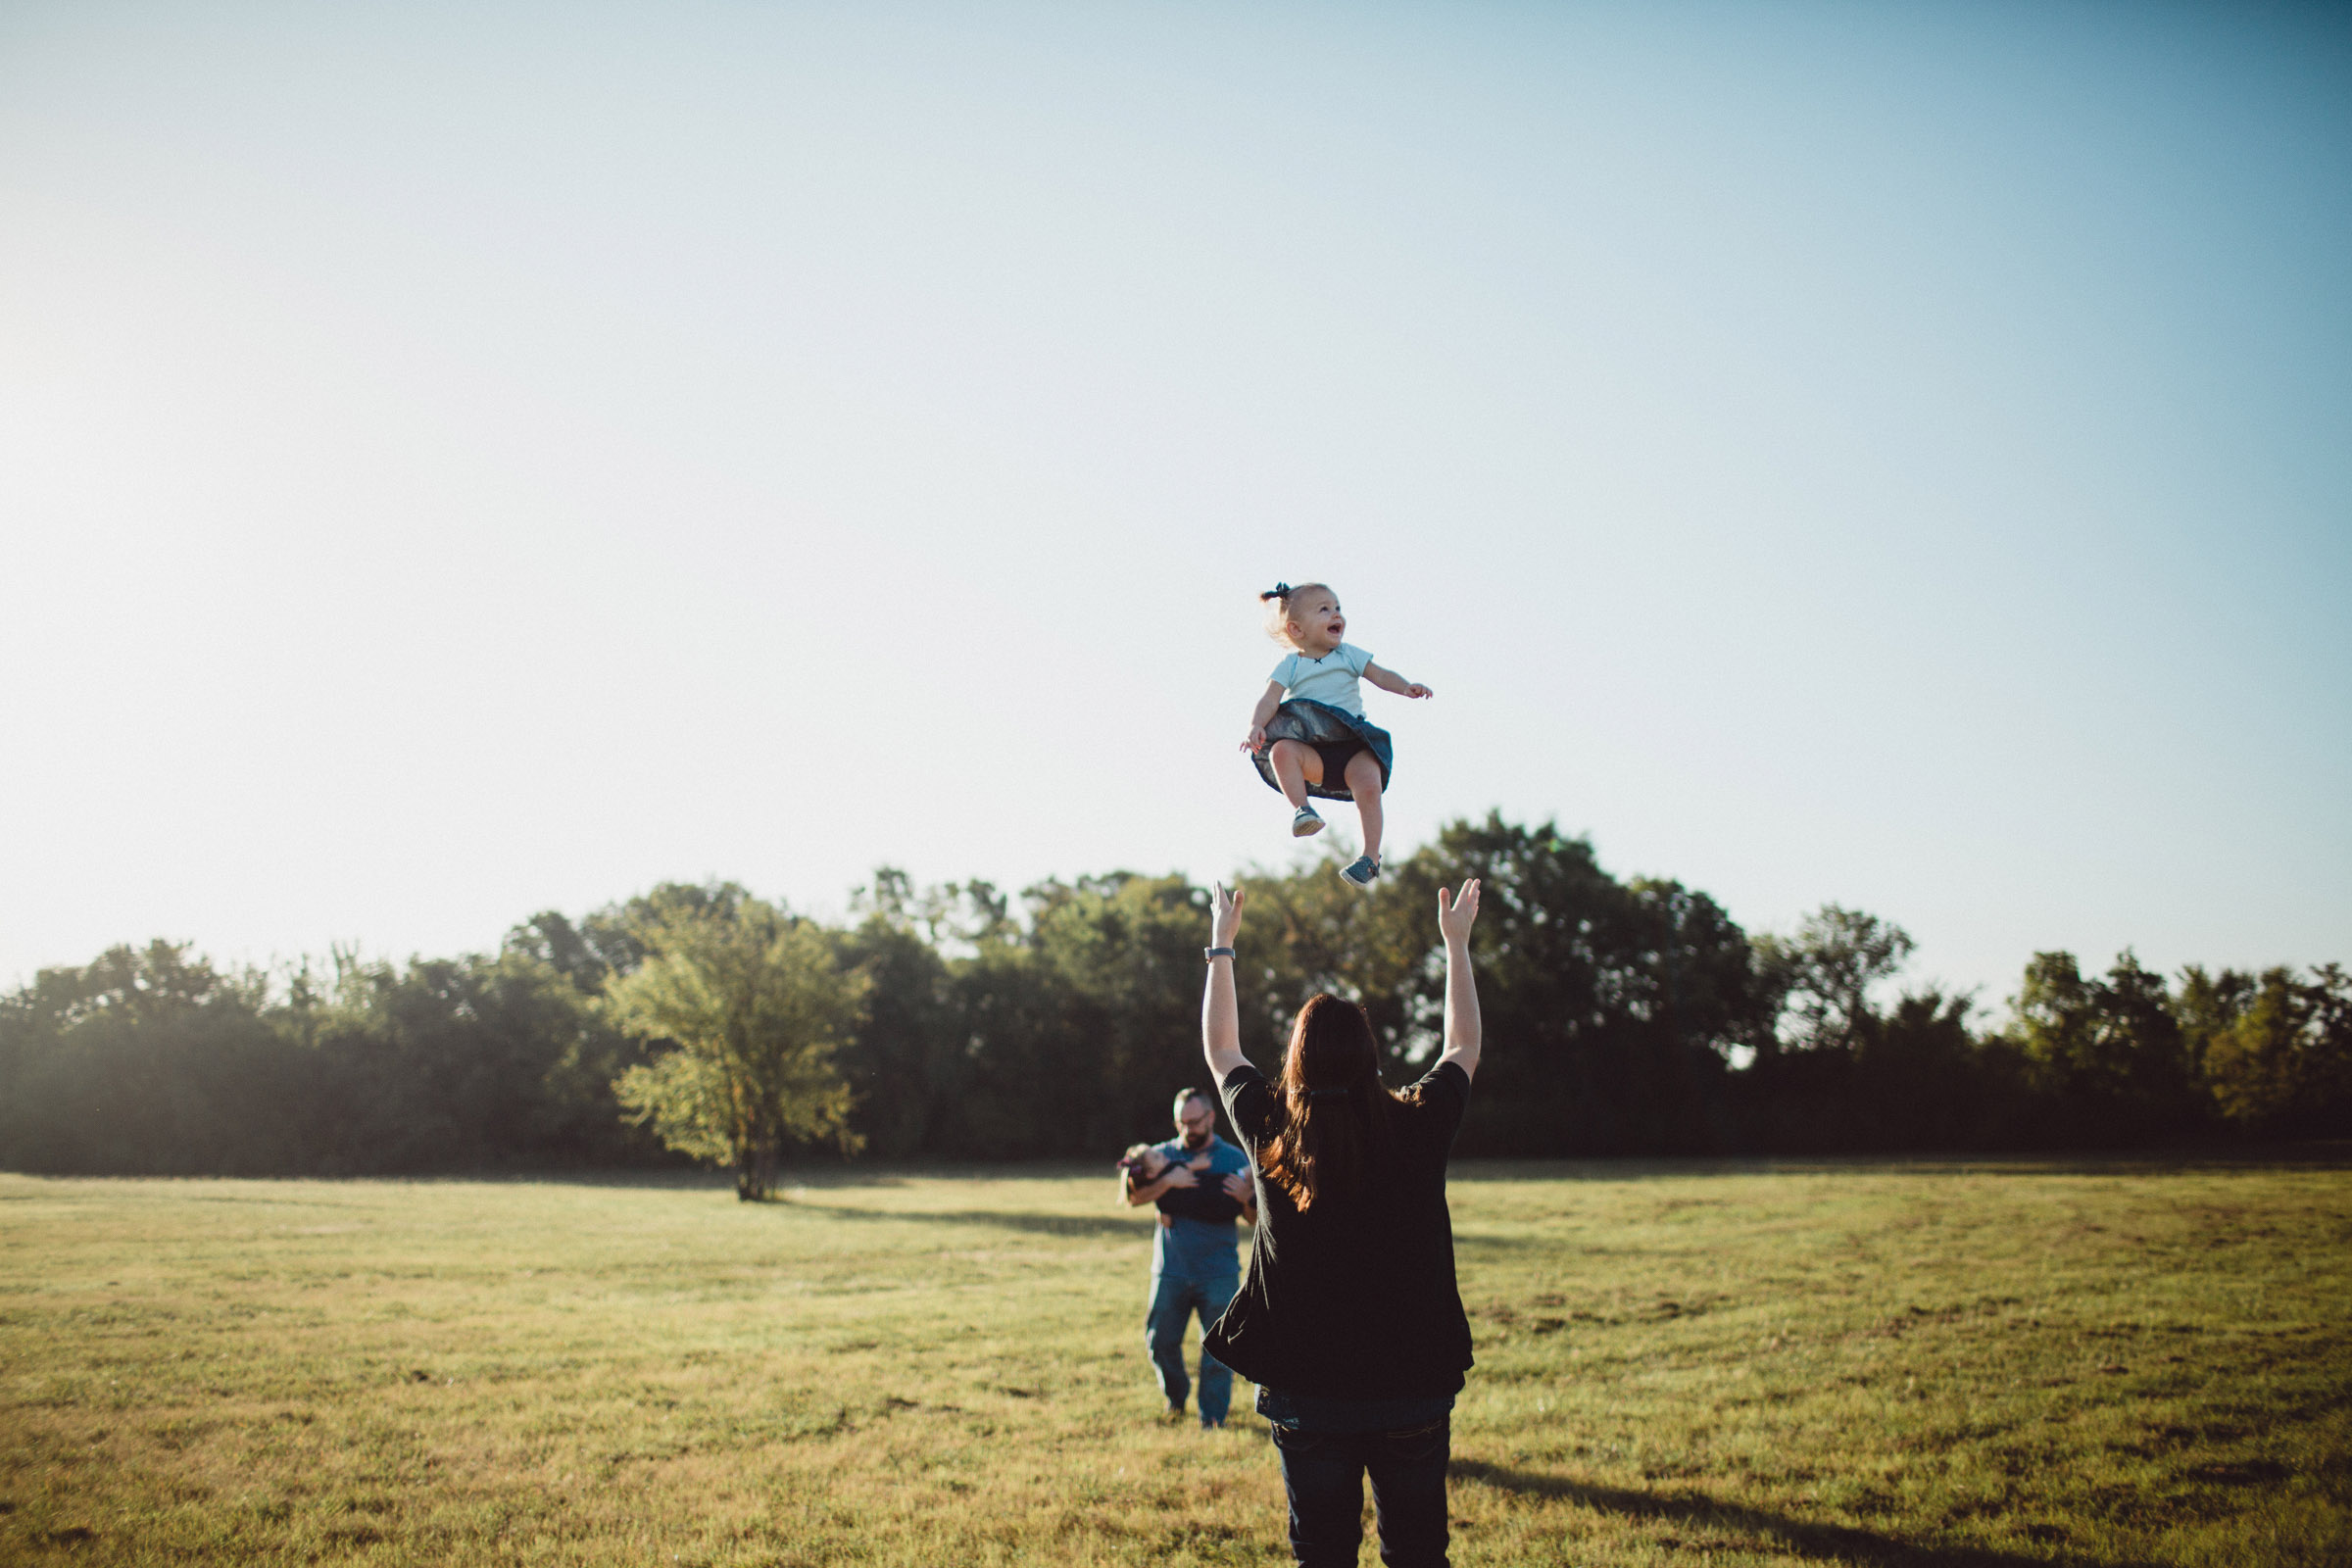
1220, 1012
1462, 1028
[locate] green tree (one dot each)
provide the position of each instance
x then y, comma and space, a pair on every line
1833, 1070
1820, 975
2111, 1050
1125, 951
1611, 1005
150, 1061
759, 1008
2282, 1064
1069, 1027
2328, 1075
911, 1067
2205, 1006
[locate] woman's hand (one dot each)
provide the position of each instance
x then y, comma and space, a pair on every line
1225, 915
1220, 1014
1454, 922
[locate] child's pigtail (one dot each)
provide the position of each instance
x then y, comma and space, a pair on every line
1277, 601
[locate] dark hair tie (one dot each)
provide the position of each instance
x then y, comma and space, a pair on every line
1329, 1093
1281, 590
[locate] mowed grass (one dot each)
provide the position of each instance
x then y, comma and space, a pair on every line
1970, 1366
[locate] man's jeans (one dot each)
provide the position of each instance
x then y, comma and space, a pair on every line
1175, 1298
1324, 1474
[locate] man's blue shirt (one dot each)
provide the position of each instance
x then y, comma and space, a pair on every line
1197, 1237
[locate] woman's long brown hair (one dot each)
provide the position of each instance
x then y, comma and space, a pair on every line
1334, 1111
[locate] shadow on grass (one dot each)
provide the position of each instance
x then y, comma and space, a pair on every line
819, 1176
1137, 1224
1129, 1227
2317, 1156
694, 1179
1805, 1538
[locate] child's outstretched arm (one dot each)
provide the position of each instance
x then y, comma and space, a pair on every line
1261, 716
1388, 680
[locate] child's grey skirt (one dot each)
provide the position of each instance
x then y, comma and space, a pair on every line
1333, 732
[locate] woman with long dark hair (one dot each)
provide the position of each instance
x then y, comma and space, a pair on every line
1349, 1324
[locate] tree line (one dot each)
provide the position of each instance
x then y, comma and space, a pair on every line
955, 1022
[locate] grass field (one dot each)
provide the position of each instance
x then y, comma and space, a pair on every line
1966, 1366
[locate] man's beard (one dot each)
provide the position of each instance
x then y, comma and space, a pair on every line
1201, 1141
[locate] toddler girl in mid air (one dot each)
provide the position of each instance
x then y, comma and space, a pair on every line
1308, 735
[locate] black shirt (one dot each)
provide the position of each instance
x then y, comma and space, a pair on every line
1355, 1298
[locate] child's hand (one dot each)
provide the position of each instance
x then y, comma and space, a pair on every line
1416, 689
1180, 1177
1258, 740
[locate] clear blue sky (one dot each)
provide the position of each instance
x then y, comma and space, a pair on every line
458, 462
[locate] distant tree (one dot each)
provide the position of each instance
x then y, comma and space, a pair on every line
912, 1065
1821, 976
2205, 1006
1027, 1087
953, 917
950, 1020
2281, 1061
1921, 1072
2328, 1070
1620, 1002
1125, 950
150, 1061
759, 1008
2110, 1051
1070, 1026
584, 952
1837, 1071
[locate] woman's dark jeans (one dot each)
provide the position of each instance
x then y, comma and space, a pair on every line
1324, 1474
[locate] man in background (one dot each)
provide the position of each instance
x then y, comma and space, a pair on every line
1201, 1185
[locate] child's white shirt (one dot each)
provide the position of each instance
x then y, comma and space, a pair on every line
1330, 679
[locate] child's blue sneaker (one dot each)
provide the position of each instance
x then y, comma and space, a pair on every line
1362, 871
1306, 824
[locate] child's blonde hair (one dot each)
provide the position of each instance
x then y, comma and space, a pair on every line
1278, 610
